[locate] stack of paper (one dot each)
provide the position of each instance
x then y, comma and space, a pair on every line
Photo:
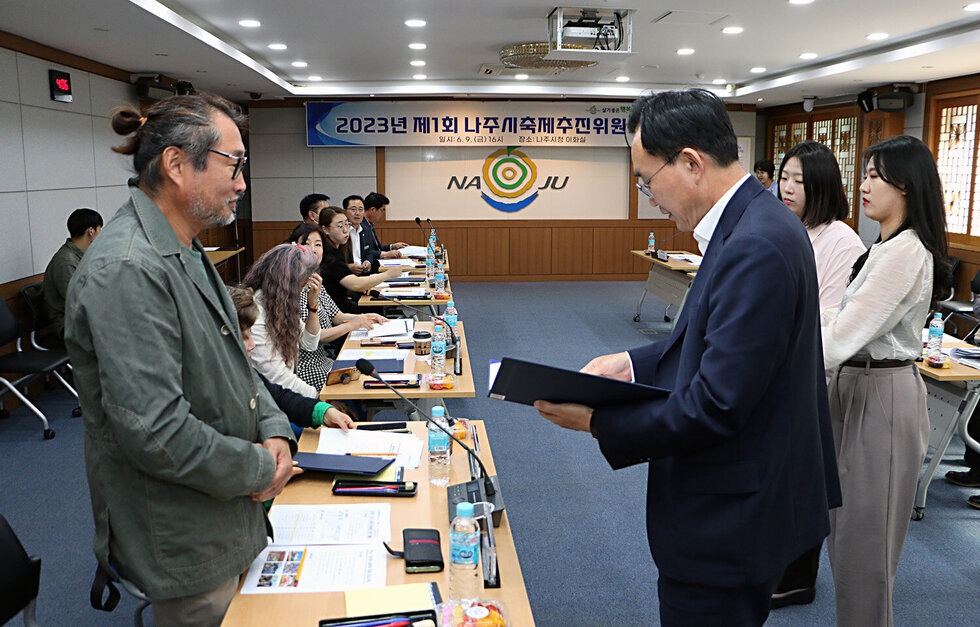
413, 251
404, 447
966, 356
689, 258
404, 292
322, 548
394, 263
397, 327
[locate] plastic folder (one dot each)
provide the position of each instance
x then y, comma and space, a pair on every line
525, 382
350, 464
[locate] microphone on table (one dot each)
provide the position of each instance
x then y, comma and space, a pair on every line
418, 221
661, 254
438, 239
478, 487
458, 362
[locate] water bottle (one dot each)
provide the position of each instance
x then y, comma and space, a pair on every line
934, 348
465, 574
430, 266
432, 240
437, 355
652, 243
438, 448
440, 278
452, 316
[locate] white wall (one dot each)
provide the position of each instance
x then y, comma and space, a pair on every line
284, 169
54, 158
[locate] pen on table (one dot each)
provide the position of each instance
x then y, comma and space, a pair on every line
394, 621
371, 489
385, 454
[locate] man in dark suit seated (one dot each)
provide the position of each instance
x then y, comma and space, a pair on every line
374, 206
740, 452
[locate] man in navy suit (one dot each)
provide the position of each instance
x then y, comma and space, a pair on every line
741, 457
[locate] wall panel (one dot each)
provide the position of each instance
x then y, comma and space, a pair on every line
12, 174
486, 252
530, 250
58, 149
611, 248
15, 238
571, 250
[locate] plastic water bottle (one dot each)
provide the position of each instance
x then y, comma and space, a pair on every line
430, 265
652, 243
437, 355
438, 448
452, 316
465, 574
432, 240
934, 348
440, 277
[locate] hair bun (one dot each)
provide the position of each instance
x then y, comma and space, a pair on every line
125, 120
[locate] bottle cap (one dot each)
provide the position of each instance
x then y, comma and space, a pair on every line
937, 316
450, 304
438, 411
464, 510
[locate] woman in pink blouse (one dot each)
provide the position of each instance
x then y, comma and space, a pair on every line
810, 185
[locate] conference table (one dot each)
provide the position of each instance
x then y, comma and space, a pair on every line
958, 381
428, 509
219, 257
668, 280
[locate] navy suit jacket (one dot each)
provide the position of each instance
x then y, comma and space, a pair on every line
741, 454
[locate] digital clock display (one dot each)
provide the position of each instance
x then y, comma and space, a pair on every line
60, 84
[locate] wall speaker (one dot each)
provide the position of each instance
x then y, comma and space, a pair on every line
866, 100
894, 102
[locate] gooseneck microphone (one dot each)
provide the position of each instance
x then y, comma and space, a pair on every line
458, 362
418, 221
367, 368
661, 254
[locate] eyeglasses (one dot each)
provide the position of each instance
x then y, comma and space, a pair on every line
644, 187
240, 160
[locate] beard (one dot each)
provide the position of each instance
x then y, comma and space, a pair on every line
212, 217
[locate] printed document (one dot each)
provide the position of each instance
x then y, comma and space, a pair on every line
404, 447
331, 524
282, 569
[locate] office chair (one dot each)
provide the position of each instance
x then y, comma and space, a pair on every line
20, 578
33, 294
31, 364
962, 308
104, 594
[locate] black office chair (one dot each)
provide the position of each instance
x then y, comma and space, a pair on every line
33, 294
31, 364
20, 578
962, 308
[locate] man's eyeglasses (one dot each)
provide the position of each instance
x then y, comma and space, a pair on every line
644, 187
240, 161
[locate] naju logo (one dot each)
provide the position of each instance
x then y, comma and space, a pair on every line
508, 180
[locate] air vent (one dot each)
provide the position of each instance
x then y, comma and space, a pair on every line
503, 71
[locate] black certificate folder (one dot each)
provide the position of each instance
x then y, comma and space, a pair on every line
525, 382
348, 464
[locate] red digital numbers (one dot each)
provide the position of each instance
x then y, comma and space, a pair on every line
62, 84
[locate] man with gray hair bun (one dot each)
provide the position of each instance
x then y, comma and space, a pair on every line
182, 441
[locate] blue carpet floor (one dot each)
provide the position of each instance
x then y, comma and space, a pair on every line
578, 525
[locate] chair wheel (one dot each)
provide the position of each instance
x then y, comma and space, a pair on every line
48, 434
75, 413
636, 318
666, 318
918, 513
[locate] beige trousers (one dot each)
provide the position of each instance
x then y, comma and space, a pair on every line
881, 431
198, 610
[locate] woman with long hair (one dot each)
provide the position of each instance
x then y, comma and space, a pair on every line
277, 278
313, 366
810, 185
338, 278
877, 398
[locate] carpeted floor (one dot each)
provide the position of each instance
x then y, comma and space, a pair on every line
578, 525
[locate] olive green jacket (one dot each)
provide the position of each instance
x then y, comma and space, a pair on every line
56, 276
172, 410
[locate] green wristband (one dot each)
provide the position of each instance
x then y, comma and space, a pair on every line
318, 411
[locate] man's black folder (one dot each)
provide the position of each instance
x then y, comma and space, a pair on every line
525, 382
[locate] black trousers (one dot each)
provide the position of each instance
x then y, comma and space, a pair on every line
685, 604
802, 572
973, 428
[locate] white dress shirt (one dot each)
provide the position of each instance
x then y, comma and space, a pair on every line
270, 363
355, 243
706, 227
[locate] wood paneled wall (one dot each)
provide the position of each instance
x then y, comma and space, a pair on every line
533, 251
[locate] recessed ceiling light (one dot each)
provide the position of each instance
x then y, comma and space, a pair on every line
300, 63
808, 55
315, 78
927, 67
415, 23
800, 1
417, 46
975, 6
520, 77
758, 69
877, 36
758, 99
371, 95
622, 79
732, 30
685, 51
249, 23
277, 46
719, 81
417, 63
419, 77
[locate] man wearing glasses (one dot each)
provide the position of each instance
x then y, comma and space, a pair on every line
740, 451
182, 441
